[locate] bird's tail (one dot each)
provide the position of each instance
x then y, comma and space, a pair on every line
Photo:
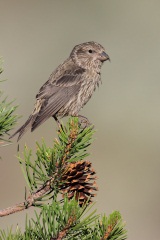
24, 128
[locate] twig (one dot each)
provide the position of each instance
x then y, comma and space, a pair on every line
71, 139
32, 198
107, 233
64, 231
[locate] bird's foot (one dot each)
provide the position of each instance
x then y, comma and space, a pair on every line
83, 122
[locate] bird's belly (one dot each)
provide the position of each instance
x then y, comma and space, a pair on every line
76, 103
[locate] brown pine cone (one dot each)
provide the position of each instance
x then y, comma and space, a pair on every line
79, 181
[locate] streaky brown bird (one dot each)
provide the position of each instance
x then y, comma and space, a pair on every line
69, 87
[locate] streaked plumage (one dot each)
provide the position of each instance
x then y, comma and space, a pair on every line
69, 87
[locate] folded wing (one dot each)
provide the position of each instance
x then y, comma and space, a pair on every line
57, 94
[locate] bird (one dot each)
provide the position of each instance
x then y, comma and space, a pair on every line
69, 87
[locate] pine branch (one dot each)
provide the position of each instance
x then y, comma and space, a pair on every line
7, 114
67, 221
30, 201
111, 227
61, 176
46, 176
70, 223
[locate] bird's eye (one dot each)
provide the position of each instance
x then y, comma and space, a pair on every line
90, 51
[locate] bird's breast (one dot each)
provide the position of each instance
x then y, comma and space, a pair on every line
88, 87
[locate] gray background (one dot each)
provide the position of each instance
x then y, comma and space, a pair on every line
35, 37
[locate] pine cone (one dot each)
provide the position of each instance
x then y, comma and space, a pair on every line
79, 181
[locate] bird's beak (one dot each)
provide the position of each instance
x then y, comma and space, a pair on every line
104, 57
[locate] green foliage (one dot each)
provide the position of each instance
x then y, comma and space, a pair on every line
7, 117
61, 218
57, 219
69, 221
7, 114
51, 162
111, 227
9, 235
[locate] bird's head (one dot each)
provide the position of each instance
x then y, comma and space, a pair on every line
89, 54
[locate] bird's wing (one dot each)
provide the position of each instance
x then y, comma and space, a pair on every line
54, 95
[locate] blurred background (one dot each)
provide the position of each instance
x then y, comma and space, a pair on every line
36, 36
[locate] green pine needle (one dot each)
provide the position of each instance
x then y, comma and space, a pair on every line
8, 118
50, 162
60, 218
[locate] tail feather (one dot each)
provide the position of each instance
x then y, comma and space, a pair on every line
23, 128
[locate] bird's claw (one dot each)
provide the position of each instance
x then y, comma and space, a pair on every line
84, 122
